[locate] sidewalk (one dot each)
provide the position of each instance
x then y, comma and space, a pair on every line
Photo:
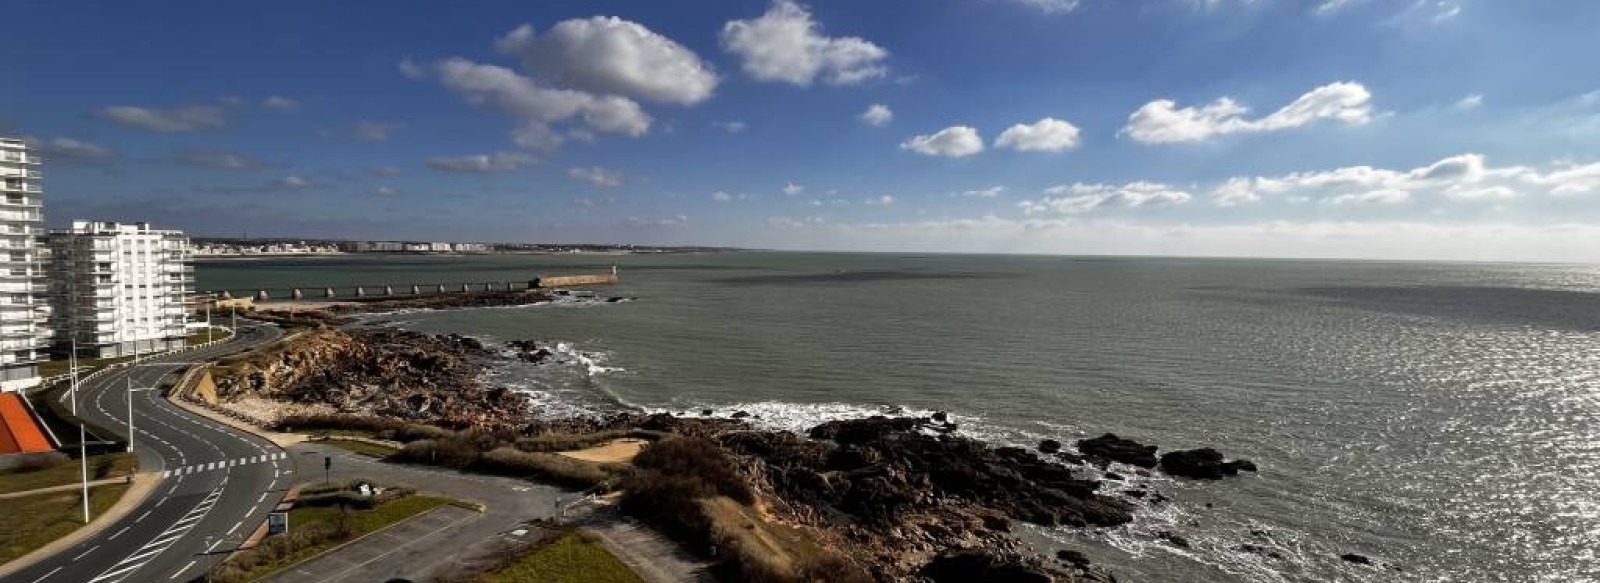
73, 487
143, 484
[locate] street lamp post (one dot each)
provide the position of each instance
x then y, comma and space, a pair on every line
131, 391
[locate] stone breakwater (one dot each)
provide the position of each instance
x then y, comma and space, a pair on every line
903, 498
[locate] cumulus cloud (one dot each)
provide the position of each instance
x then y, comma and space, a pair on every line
723, 196
1050, 6
596, 175
885, 200
384, 191
990, 192
609, 55
218, 159
290, 183
877, 115
952, 142
482, 163
792, 189
71, 151
510, 93
1470, 102
1046, 135
794, 222
786, 45
1077, 198
374, 131
732, 127
1461, 178
186, 118
280, 103
1163, 121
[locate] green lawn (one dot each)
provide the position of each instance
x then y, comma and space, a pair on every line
362, 447
570, 558
217, 333
34, 521
100, 467
57, 365
364, 521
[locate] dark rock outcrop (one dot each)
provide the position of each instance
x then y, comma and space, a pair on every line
1109, 447
1202, 464
1355, 558
1049, 446
974, 566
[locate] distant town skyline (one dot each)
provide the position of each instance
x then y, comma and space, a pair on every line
1429, 129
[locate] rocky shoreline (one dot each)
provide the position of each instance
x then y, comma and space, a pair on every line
891, 498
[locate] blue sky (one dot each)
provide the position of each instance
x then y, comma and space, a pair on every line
1464, 129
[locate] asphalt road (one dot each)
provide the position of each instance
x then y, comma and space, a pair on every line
217, 484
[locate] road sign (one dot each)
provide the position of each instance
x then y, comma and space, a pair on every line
277, 523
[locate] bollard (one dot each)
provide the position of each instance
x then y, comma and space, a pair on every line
416, 291
388, 290
227, 295
328, 293
296, 295
464, 288
441, 288
262, 296
361, 292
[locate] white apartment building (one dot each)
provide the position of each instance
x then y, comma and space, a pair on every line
22, 307
119, 289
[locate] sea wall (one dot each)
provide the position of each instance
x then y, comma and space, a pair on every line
555, 281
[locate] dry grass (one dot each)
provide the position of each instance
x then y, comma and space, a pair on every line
100, 467
567, 558
34, 521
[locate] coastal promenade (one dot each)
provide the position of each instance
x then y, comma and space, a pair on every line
208, 484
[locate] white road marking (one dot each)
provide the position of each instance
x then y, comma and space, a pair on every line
46, 575
180, 571
85, 553
119, 533
142, 516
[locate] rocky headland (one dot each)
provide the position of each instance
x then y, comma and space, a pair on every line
873, 499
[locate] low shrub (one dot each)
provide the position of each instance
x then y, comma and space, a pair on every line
547, 466
700, 459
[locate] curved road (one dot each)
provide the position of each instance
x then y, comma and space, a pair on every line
217, 483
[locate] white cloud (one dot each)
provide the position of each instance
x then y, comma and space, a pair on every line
374, 131
990, 192
877, 115
792, 189
279, 103
732, 127
1461, 178
68, 150
610, 55
786, 45
413, 70
187, 118
384, 191
1470, 102
385, 171
1163, 121
1332, 6
1080, 197
503, 90
723, 196
794, 222
219, 159
885, 200
1046, 135
596, 175
953, 142
480, 163
1050, 6
642, 222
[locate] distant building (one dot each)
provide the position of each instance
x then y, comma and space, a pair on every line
22, 306
419, 247
472, 247
441, 247
119, 289
387, 246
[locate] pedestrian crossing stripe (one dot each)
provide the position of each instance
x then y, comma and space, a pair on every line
224, 464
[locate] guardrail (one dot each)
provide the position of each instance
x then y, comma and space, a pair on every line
111, 367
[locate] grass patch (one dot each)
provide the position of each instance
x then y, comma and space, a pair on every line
568, 558
100, 467
362, 447
217, 333
57, 365
35, 521
314, 530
